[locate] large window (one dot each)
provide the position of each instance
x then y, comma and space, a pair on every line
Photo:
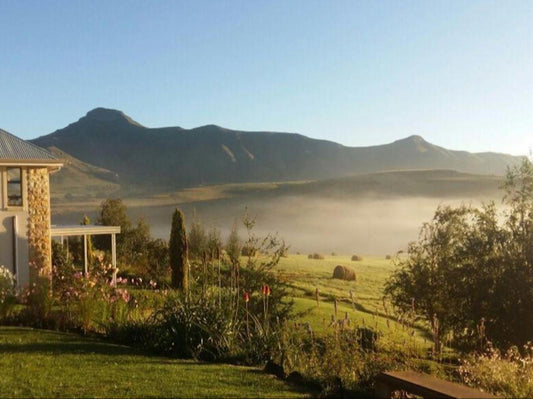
14, 187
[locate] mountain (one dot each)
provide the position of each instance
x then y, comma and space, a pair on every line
77, 179
173, 157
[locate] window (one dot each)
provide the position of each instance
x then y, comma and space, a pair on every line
14, 187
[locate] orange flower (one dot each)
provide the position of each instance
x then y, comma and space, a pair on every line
246, 297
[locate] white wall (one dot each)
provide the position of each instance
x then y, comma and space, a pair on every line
7, 235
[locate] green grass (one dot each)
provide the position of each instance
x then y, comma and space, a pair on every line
38, 363
367, 310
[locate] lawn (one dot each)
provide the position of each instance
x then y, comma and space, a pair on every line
38, 363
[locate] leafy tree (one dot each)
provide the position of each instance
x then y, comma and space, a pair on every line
178, 256
112, 212
471, 271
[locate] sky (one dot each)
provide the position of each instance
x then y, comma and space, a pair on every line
458, 73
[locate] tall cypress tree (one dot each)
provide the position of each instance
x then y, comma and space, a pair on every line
179, 263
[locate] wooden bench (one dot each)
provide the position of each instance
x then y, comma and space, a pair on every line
423, 385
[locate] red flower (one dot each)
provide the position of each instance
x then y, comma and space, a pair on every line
246, 297
266, 290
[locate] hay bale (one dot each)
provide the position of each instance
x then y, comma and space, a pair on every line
344, 273
356, 258
315, 256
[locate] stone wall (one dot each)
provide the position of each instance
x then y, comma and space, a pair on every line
39, 238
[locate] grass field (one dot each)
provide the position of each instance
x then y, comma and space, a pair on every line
38, 363
367, 308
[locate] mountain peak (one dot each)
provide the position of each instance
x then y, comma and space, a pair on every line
109, 115
415, 138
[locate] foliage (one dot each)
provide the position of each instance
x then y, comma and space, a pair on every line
234, 245
137, 252
459, 275
336, 361
113, 212
89, 303
234, 309
196, 327
178, 254
507, 375
197, 239
7, 292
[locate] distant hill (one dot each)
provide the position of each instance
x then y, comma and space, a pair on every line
173, 157
77, 179
406, 183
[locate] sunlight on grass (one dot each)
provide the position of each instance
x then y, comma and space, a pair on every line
306, 275
37, 363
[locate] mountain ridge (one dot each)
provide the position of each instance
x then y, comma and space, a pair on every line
211, 154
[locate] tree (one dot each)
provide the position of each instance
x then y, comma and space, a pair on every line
197, 239
112, 212
471, 271
178, 256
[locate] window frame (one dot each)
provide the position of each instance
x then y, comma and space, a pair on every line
5, 188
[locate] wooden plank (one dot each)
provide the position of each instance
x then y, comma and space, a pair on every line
425, 385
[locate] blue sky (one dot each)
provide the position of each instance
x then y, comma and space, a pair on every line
459, 73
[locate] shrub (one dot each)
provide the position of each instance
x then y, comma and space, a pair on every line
335, 361
507, 375
7, 292
90, 302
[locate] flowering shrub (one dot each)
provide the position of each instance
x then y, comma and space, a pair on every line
89, 302
7, 291
508, 374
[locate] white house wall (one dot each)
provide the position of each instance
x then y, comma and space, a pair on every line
32, 226
7, 246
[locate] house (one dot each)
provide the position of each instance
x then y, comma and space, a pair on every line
25, 216
25, 227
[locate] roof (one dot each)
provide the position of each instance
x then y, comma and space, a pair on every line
14, 150
80, 230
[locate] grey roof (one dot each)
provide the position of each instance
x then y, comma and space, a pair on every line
13, 148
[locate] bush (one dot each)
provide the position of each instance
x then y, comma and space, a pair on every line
87, 303
336, 361
7, 292
507, 375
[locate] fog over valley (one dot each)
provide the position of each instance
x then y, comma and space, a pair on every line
307, 224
